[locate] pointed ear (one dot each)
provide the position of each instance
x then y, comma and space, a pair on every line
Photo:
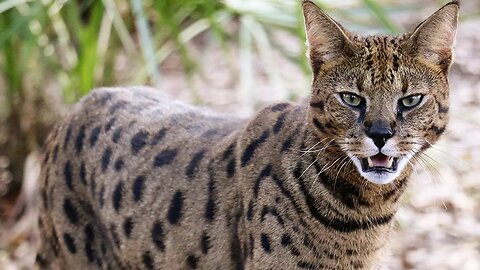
433, 40
327, 40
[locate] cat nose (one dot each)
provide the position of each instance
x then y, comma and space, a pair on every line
379, 132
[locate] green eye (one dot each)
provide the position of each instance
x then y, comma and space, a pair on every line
351, 99
411, 101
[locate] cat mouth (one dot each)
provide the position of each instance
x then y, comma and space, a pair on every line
379, 163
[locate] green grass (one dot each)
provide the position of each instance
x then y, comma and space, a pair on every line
77, 43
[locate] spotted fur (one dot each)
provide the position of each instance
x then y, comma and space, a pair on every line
134, 180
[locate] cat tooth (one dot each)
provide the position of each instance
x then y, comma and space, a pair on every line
370, 162
390, 162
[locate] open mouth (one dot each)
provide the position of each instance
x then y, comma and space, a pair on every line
379, 163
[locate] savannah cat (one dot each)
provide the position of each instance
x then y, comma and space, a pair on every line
134, 180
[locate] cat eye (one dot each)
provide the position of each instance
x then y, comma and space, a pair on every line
351, 100
411, 101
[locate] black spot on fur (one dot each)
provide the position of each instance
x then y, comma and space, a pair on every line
164, 158
438, 130
231, 168
318, 105
93, 185
211, 208
294, 251
67, 174
41, 261
307, 265
194, 163
175, 210
265, 242
351, 252
251, 245
117, 106
357, 265
117, 135
250, 211
158, 236
83, 173
287, 144
45, 199
442, 109
46, 157
318, 125
148, 261
279, 123
106, 156
105, 97
67, 137
70, 243
55, 242
128, 227
307, 242
211, 133
138, 186
119, 163
89, 244
332, 256
279, 107
396, 63
229, 151
235, 247
117, 196
110, 123
250, 149
264, 173
138, 141
94, 135
286, 240
159, 136
192, 261
205, 243
70, 211
55, 153
80, 139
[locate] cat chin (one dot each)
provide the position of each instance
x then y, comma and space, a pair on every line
380, 177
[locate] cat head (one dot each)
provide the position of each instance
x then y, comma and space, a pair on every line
381, 99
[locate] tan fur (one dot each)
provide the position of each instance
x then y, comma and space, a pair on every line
134, 180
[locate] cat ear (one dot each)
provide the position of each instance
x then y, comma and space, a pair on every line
433, 40
327, 40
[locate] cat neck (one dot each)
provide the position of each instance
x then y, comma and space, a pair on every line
329, 180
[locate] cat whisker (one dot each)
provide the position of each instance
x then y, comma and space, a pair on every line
318, 150
346, 160
324, 168
431, 175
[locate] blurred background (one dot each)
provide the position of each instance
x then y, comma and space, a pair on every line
235, 56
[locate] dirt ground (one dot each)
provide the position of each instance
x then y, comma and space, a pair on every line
438, 226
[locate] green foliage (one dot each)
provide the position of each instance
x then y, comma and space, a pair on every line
75, 44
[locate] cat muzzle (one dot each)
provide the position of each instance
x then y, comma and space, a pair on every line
379, 163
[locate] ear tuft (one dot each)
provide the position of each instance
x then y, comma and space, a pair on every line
326, 38
434, 38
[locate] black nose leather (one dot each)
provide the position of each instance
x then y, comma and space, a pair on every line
379, 132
